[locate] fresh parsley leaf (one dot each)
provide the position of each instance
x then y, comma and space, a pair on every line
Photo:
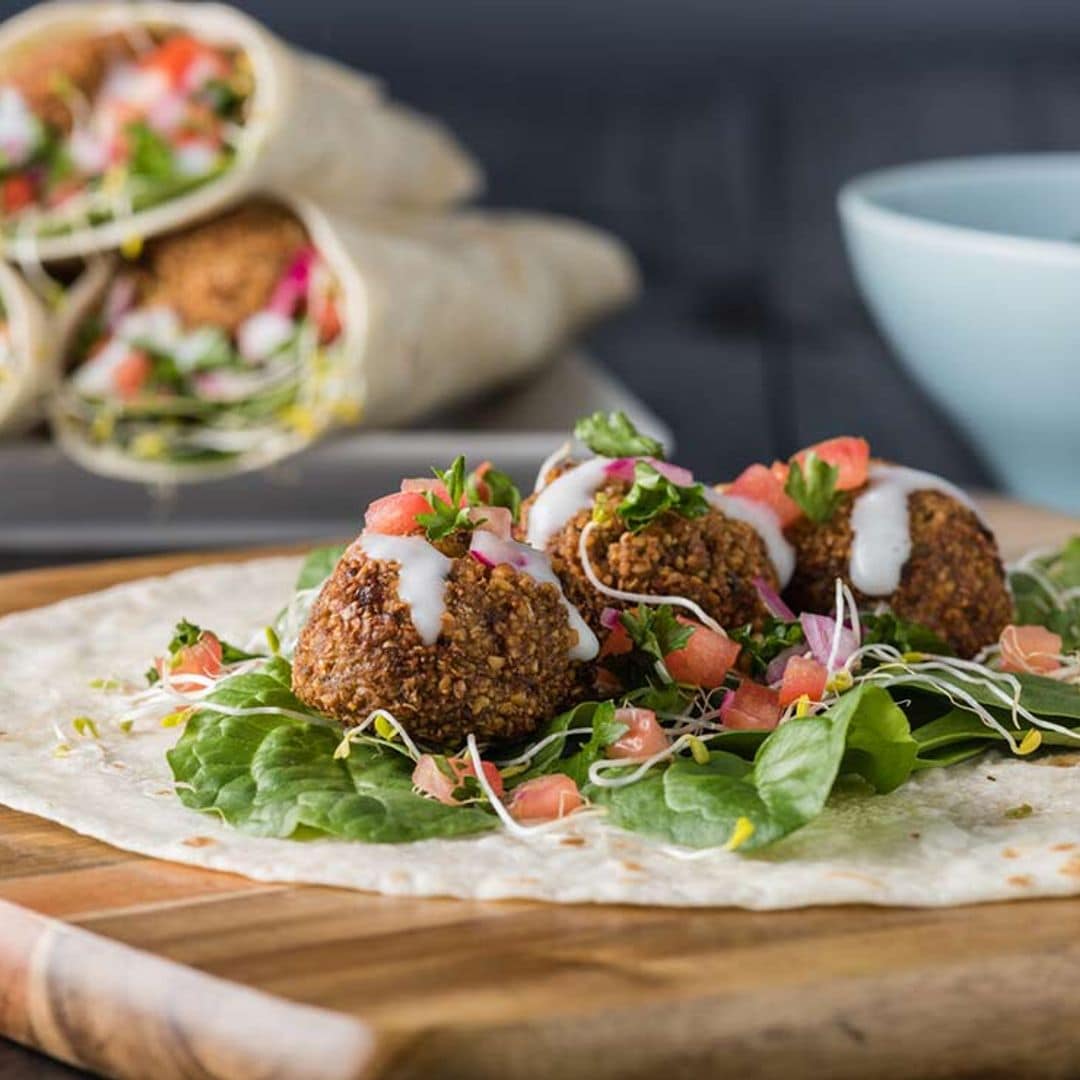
614, 435
448, 517
501, 491
655, 630
761, 647
653, 494
654, 633
812, 484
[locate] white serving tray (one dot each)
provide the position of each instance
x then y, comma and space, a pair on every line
49, 506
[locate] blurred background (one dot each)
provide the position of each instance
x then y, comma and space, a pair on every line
712, 135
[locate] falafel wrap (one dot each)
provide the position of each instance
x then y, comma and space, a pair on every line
238, 341
428, 713
25, 351
120, 121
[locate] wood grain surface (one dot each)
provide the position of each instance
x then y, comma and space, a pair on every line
139, 968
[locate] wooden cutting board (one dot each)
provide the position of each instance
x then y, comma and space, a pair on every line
140, 968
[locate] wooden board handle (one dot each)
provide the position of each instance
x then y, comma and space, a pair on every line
110, 1008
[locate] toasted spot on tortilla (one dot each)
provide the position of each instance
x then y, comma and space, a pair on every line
1071, 868
1062, 847
1060, 761
573, 841
1010, 853
1021, 881
198, 841
633, 867
857, 877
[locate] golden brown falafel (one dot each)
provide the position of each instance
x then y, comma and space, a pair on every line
712, 560
953, 582
499, 667
48, 74
219, 272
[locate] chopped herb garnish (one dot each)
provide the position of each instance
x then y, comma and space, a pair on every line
1046, 591
654, 633
501, 491
448, 517
655, 630
812, 484
614, 435
653, 494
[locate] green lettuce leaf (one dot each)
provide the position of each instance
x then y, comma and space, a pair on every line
274, 775
318, 566
729, 801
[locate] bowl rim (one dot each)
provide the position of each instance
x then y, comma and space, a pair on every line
856, 203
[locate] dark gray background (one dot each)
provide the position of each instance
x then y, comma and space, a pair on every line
711, 135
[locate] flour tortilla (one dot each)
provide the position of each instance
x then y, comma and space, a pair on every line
315, 128
434, 310
38, 330
22, 384
944, 838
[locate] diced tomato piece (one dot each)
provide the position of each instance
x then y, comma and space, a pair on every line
850, 454
761, 485
545, 798
329, 323
174, 56
495, 519
803, 675
705, 659
644, 738
202, 658
617, 642
429, 778
132, 374
1030, 649
395, 515
18, 193
751, 708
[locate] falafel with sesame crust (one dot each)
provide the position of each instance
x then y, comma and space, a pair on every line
953, 581
711, 559
499, 666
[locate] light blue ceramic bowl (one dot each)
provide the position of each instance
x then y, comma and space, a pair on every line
972, 270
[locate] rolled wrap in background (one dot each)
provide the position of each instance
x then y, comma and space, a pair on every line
24, 381
314, 127
433, 310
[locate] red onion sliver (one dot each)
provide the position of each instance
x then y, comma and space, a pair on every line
623, 469
819, 631
771, 599
609, 618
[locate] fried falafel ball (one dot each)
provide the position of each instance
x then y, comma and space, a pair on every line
953, 581
49, 75
220, 272
500, 666
712, 560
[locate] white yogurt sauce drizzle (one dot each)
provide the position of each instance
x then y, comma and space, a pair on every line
422, 573
563, 498
538, 566
765, 523
881, 525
